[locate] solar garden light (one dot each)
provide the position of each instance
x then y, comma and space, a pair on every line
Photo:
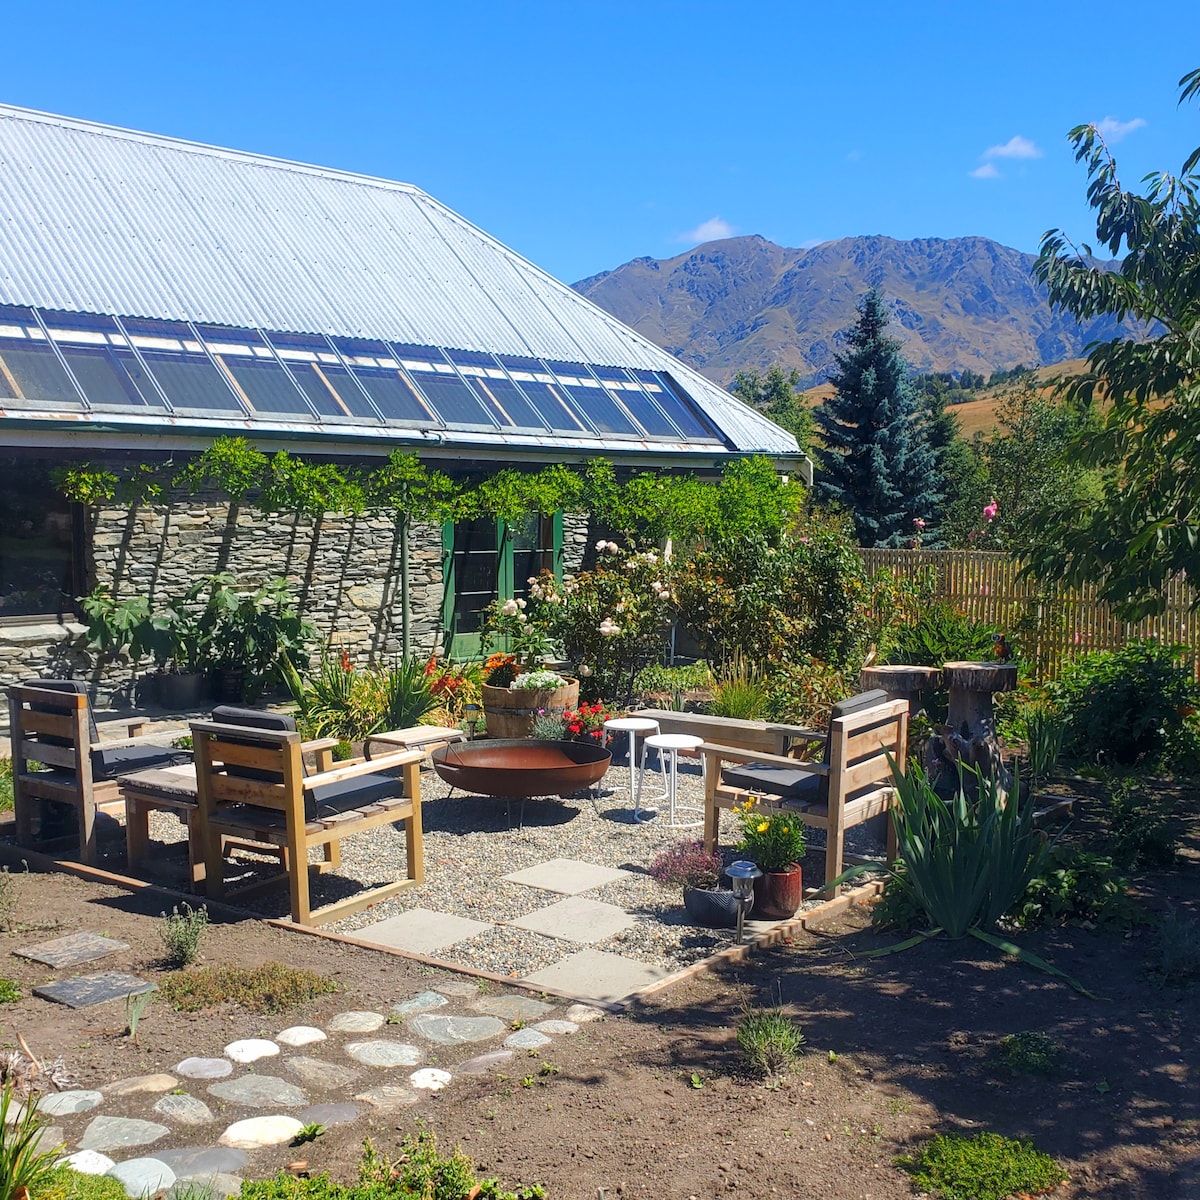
471, 719
742, 875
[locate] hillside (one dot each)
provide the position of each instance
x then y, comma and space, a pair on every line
744, 302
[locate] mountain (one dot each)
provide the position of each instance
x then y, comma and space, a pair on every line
745, 302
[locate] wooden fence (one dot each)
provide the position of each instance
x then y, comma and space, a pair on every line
1048, 624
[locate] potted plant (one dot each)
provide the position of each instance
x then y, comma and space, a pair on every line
252, 633
697, 871
774, 842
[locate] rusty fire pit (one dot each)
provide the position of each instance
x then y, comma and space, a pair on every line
521, 768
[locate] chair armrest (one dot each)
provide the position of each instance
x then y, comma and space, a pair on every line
799, 732
717, 755
318, 744
370, 767
146, 739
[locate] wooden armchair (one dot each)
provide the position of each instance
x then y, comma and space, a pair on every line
251, 786
51, 723
851, 785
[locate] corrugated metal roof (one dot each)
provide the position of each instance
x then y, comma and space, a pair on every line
98, 219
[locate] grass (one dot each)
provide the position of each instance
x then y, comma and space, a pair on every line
268, 988
770, 1039
65, 1184
6, 784
25, 1162
9, 992
1028, 1053
984, 1167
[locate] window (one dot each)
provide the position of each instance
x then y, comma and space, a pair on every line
39, 557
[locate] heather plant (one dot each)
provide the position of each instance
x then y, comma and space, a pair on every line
687, 865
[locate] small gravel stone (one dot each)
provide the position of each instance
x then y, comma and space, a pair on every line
330, 1114
554, 1027
141, 1083
64, 1104
483, 1063
259, 1091
430, 1079
89, 1162
143, 1177
184, 1109
582, 1013
388, 1098
320, 1074
260, 1131
512, 1007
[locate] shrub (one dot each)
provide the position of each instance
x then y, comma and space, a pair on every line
984, 1167
1141, 828
6, 784
268, 988
181, 933
803, 692
898, 908
499, 670
770, 1039
1126, 705
1028, 1053
9, 992
1076, 885
66, 1184
346, 702
659, 680
687, 865
741, 692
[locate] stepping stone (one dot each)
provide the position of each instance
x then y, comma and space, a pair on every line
143, 1177
568, 876
421, 1002
89, 1162
556, 1027
485, 1062
320, 1074
141, 1083
299, 1035
204, 1068
382, 1053
197, 1162
597, 974
356, 1022
112, 1133
330, 1114
429, 1079
576, 919
84, 991
250, 1050
260, 1131
184, 1109
259, 1091
71, 950
454, 1031
512, 1007
388, 1098
207, 1187
422, 930
582, 1013
527, 1039
462, 988
64, 1104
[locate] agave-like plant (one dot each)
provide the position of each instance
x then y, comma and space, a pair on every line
968, 860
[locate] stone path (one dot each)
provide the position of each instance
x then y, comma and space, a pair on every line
268, 1089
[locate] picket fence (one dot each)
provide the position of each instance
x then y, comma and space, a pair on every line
1047, 624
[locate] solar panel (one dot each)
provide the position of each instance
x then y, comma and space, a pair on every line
182, 368
29, 367
321, 376
99, 357
374, 367
595, 401
671, 398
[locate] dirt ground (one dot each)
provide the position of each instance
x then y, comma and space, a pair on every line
655, 1102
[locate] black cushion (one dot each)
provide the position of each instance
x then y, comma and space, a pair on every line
254, 718
788, 782
871, 699
330, 798
123, 760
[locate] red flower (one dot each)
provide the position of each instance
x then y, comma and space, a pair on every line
345, 660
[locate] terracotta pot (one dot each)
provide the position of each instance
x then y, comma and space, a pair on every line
778, 894
510, 711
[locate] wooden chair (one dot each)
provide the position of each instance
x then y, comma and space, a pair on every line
51, 723
851, 785
251, 785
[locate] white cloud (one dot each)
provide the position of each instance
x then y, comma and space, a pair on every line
987, 171
1015, 147
711, 230
1113, 130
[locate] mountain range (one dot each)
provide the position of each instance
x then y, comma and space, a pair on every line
746, 303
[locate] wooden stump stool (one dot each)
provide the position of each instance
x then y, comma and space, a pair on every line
901, 682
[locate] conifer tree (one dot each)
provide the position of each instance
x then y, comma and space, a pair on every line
875, 460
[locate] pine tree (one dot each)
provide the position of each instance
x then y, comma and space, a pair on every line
875, 460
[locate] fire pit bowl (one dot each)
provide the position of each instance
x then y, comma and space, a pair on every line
521, 768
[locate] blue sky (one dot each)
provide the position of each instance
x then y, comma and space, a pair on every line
586, 134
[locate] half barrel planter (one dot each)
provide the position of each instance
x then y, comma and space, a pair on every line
510, 711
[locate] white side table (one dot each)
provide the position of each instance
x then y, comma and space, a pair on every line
669, 746
634, 726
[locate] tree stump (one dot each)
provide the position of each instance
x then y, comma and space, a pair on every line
901, 682
969, 735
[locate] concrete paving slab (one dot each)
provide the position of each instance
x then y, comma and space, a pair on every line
567, 876
597, 975
83, 991
422, 931
576, 919
72, 950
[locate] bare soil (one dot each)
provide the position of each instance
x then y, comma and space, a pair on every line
656, 1101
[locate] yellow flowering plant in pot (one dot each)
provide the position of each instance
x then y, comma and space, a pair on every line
774, 842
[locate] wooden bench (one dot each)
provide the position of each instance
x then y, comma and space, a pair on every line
760, 737
852, 784
250, 784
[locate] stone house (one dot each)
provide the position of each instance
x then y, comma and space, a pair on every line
156, 294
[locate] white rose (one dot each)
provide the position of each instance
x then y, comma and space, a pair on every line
510, 608
585, 671
520, 603
601, 544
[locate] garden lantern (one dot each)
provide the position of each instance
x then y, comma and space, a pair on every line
471, 719
742, 875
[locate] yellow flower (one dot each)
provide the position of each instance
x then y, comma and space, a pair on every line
764, 826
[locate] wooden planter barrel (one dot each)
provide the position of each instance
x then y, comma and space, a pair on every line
510, 711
